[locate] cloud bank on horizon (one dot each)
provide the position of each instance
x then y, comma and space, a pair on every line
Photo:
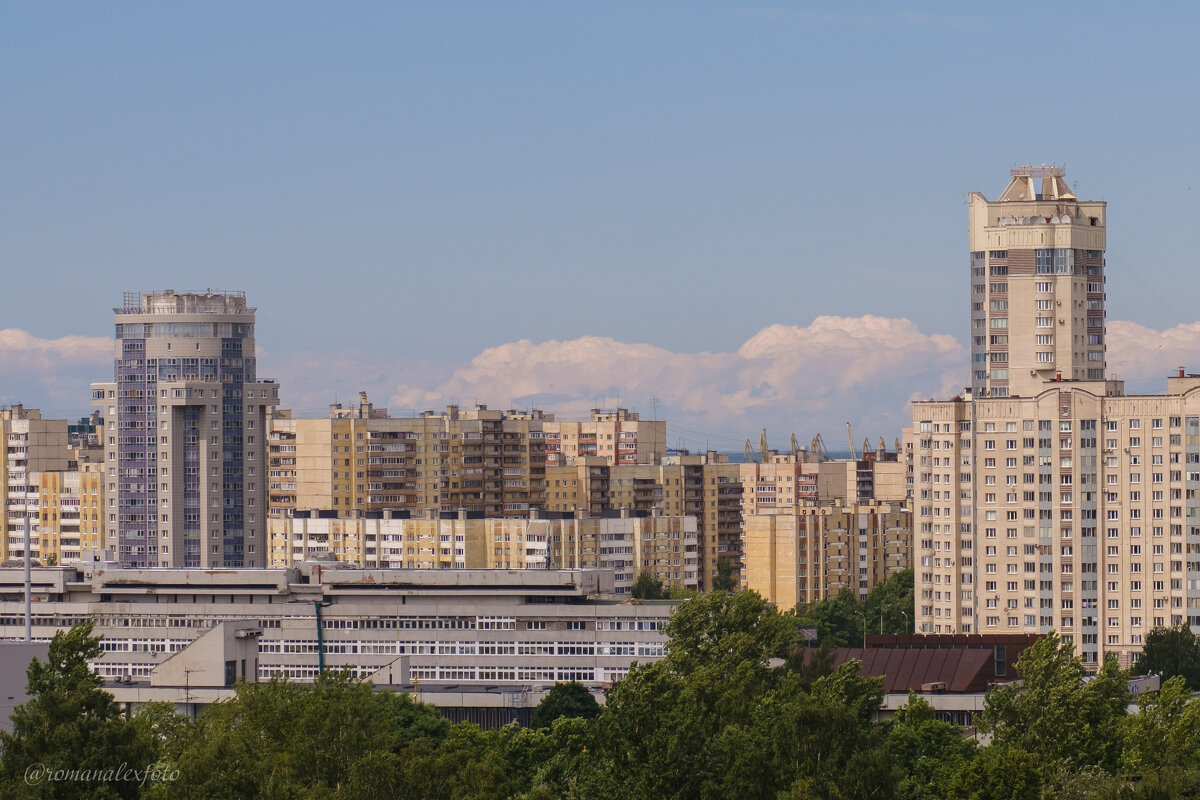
787, 378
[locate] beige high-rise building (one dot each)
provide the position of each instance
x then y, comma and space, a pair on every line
779, 484
706, 487
362, 459
815, 552
32, 445
1059, 503
1037, 285
72, 513
619, 437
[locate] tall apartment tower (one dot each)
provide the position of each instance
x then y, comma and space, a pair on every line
186, 432
1037, 285
1045, 498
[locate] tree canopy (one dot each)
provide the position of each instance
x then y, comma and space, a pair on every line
1169, 652
647, 587
729, 712
565, 700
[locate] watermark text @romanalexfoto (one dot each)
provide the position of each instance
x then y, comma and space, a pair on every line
37, 774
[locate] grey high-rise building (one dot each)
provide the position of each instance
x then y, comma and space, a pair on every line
185, 436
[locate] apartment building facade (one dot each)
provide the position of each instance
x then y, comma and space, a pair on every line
706, 487
393, 540
620, 437
32, 446
814, 552
1046, 498
185, 432
360, 458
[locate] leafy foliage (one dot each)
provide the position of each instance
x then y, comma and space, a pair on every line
647, 587
1170, 652
723, 580
1053, 713
565, 700
70, 723
733, 710
843, 619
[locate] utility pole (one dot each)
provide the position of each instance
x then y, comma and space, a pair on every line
317, 606
28, 566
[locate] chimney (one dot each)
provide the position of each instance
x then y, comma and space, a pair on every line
1181, 372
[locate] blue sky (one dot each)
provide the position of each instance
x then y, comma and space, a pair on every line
407, 192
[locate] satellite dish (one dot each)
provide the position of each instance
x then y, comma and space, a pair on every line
1054, 220
1065, 219
1020, 195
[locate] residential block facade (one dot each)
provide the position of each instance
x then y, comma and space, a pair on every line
185, 436
814, 552
1045, 498
362, 459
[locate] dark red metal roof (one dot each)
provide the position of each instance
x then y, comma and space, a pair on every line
961, 669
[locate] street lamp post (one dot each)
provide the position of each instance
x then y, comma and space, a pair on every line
317, 606
905, 613
864, 619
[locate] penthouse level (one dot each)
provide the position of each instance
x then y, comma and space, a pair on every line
519, 629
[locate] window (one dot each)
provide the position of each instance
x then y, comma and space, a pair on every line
1055, 261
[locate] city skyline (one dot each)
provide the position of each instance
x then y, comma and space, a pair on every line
574, 207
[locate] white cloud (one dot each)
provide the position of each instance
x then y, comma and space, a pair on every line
21, 348
786, 377
1144, 357
51, 374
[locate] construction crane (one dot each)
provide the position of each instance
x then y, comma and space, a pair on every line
817, 447
795, 447
850, 439
748, 452
762, 447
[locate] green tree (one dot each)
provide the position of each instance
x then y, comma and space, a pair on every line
71, 723
1169, 652
928, 752
1166, 731
647, 587
336, 738
1054, 714
892, 603
999, 772
838, 619
565, 700
723, 580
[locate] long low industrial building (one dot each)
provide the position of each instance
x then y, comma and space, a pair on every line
463, 639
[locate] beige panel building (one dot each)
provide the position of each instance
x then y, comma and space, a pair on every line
627, 543
665, 546
32, 445
779, 484
817, 551
1047, 499
71, 514
1037, 285
378, 539
619, 437
706, 487
362, 459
